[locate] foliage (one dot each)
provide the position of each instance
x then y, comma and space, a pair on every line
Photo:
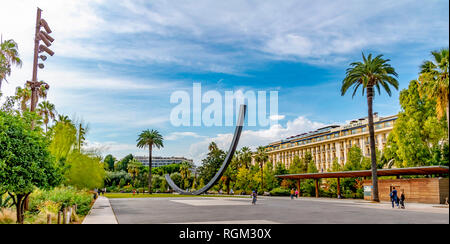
109, 161
47, 111
279, 191
84, 171
62, 197
177, 179
417, 131
211, 164
9, 56
434, 80
63, 138
25, 162
122, 165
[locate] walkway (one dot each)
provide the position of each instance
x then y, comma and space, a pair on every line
101, 213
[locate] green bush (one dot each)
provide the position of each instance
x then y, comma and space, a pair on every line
64, 196
280, 192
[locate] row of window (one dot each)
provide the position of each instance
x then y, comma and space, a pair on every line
334, 135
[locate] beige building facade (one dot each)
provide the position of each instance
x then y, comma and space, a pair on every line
332, 142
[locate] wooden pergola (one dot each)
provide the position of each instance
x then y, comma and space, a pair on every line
428, 170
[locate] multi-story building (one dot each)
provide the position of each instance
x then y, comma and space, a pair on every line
162, 161
332, 142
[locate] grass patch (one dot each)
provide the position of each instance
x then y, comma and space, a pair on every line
162, 195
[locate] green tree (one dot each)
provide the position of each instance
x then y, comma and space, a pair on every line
25, 162
269, 176
47, 111
84, 171
122, 165
185, 171
296, 166
371, 74
134, 167
211, 164
63, 138
149, 139
416, 131
260, 158
23, 95
434, 82
109, 161
9, 56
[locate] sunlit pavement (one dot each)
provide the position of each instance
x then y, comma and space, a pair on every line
272, 210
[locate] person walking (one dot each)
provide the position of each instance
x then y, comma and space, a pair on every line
292, 193
402, 199
296, 193
394, 197
254, 196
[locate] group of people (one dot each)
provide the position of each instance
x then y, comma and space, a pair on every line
294, 193
395, 199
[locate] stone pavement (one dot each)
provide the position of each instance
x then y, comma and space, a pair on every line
101, 213
272, 210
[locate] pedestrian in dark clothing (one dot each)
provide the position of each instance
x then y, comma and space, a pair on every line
254, 195
402, 200
394, 197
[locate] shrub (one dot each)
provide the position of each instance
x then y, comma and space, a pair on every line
280, 192
60, 197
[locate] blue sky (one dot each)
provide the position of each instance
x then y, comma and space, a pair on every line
117, 62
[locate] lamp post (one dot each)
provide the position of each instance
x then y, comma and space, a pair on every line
40, 35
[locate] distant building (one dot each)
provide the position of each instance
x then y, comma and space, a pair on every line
162, 161
332, 142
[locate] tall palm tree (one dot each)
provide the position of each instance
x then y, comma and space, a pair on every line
260, 158
370, 74
150, 139
9, 56
434, 82
47, 111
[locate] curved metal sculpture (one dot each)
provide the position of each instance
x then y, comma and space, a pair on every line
226, 162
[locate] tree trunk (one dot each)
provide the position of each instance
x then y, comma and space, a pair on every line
448, 121
373, 156
20, 206
262, 177
150, 169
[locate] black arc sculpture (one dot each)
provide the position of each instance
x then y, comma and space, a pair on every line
226, 162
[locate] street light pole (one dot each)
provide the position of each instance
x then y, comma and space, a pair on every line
34, 84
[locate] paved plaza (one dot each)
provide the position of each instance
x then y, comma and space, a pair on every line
271, 210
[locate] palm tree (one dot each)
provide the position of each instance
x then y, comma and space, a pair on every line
370, 74
185, 171
81, 134
133, 168
260, 158
9, 56
245, 157
434, 82
63, 119
150, 139
46, 110
23, 95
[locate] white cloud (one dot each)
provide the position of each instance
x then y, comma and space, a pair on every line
192, 35
177, 135
277, 117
